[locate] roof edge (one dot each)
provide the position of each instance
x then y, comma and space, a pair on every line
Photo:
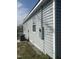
34, 9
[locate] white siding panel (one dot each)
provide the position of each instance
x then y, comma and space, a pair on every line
47, 7
48, 28
46, 18
45, 45
39, 41
34, 37
25, 26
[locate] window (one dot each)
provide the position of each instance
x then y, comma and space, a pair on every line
34, 28
34, 24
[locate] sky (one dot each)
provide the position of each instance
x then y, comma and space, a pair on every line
23, 8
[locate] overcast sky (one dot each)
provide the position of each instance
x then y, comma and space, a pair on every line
23, 8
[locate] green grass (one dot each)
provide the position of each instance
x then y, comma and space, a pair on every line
25, 51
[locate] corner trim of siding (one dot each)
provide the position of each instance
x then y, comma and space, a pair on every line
53, 29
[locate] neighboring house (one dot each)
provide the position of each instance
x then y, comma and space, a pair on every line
43, 27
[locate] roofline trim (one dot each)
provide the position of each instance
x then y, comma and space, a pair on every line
39, 3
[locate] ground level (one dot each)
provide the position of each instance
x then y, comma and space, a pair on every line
25, 51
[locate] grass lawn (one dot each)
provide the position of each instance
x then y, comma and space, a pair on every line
25, 51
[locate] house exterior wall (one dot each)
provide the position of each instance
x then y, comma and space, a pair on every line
42, 18
48, 28
34, 37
